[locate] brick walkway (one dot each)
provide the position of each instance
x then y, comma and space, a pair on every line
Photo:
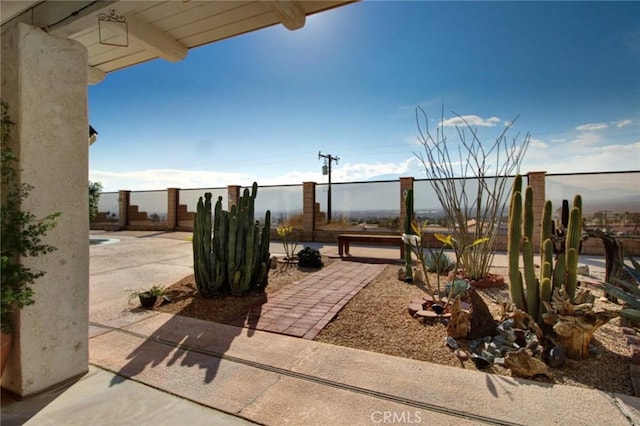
304, 308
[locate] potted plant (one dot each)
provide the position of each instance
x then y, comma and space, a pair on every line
22, 236
148, 297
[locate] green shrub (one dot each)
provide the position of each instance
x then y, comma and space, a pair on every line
22, 233
309, 258
95, 188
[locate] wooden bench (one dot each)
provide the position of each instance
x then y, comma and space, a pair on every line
369, 239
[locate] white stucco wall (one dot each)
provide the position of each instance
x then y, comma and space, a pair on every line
44, 80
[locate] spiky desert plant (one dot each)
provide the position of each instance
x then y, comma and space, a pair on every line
628, 291
472, 212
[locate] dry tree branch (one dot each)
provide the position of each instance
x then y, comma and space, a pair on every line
488, 167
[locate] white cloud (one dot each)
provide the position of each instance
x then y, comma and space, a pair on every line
621, 123
586, 139
471, 120
538, 143
166, 178
588, 159
158, 179
362, 171
592, 126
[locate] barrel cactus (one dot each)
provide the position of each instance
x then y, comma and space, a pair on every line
230, 252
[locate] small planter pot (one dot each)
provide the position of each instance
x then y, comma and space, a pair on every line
147, 301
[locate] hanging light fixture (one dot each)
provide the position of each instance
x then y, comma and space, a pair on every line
112, 29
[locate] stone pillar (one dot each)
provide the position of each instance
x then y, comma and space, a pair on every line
308, 210
173, 199
124, 198
406, 183
536, 180
44, 81
234, 195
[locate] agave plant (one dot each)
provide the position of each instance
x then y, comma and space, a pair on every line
628, 291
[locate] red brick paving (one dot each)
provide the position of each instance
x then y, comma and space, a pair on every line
304, 308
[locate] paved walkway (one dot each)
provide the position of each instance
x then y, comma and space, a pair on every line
304, 308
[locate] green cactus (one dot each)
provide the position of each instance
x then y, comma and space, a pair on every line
574, 232
531, 294
513, 245
232, 253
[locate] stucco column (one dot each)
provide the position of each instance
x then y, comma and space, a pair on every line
173, 199
124, 199
234, 195
536, 180
44, 81
308, 210
406, 183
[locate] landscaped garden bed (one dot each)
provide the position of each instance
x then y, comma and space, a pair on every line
377, 319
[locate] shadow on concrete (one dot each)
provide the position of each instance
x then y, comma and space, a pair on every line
178, 341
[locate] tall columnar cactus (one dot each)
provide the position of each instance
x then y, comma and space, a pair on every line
531, 293
232, 254
408, 220
514, 241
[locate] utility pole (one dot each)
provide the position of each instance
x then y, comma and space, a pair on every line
326, 170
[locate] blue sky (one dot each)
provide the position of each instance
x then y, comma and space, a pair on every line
260, 106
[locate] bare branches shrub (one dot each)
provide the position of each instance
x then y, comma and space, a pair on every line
470, 179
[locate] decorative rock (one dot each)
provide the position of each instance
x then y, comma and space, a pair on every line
451, 342
508, 334
595, 352
426, 314
458, 327
520, 337
557, 357
437, 308
482, 322
414, 307
583, 270
462, 355
417, 274
627, 331
524, 365
481, 362
273, 262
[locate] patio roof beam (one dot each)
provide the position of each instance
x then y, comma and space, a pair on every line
96, 75
290, 13
155, 40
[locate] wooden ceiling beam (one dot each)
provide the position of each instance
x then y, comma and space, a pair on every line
155, 40
290, 13
95, 75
